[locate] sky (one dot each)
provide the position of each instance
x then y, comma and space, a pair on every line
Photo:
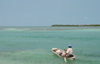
49, 12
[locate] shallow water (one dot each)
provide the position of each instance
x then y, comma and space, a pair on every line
32, 45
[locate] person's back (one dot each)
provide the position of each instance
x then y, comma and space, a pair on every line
69, 51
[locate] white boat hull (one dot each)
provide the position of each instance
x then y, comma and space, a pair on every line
54, 50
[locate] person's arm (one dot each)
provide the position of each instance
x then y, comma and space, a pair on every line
64, 49
65, 54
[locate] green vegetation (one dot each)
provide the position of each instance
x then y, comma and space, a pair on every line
74, 25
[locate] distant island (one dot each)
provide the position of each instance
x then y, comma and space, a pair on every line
74, 25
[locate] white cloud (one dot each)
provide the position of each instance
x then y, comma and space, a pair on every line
85, 17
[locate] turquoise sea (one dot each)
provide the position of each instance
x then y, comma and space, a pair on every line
33, 44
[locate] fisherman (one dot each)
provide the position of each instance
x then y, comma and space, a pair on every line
68, 51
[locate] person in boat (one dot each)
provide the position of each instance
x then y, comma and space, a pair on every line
68, 51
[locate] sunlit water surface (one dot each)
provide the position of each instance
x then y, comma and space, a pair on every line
32, 45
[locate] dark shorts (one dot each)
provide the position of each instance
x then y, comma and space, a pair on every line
69, 55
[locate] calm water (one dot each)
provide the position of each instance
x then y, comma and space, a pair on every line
32, 45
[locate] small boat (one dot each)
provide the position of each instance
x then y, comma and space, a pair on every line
62, 53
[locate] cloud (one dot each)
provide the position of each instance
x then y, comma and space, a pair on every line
85, 17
